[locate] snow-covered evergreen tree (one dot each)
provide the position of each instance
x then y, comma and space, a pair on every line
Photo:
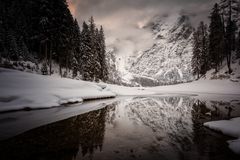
87, 57
196, 58
103, 62
44, 68
76, 40
22, 49
98, 56
45, 31
75, 67
12, 47
203, 38
94, 51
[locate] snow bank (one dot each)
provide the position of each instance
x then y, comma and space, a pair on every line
21, 90
230, 128
201, 86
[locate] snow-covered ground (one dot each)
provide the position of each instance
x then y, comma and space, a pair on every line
230, 128
200, 87
21, 90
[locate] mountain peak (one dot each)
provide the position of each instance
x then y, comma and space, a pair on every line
168, 60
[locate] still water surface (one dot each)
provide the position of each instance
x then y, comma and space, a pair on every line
164, 128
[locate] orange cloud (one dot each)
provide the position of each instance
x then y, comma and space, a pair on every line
72, 5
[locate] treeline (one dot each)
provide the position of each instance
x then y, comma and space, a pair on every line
218, 42
43, 31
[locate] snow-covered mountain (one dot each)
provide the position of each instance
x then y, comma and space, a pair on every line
168, 61
115, 76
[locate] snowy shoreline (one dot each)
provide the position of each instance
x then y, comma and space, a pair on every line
230, 128
21, 90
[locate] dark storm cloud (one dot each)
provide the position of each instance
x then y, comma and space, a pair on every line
122, 19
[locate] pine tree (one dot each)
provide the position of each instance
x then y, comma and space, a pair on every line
87, 57
93, 41
230, 42
74, 68
98, 63
238, 45
195, 62
216, 38
103, 55
2, 35
44, 68
75, 50
203, 40
12, 47
76, 40
22, 49
44, 22
46, 31
238, 15
230, 12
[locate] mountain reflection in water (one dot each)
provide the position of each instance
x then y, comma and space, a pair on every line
134, 128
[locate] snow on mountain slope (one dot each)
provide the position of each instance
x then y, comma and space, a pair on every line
168, 61
116, 75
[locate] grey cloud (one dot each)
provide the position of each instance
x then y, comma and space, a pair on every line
104, 7
101, 9
120, 18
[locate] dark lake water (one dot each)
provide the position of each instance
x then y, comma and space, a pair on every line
164, 128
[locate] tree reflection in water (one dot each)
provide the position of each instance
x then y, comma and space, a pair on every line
60, 140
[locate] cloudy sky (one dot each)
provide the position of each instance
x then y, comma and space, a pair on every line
123, 19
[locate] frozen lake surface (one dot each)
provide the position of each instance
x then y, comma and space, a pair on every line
153, 127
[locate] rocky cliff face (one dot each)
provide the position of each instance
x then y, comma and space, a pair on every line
168, 61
